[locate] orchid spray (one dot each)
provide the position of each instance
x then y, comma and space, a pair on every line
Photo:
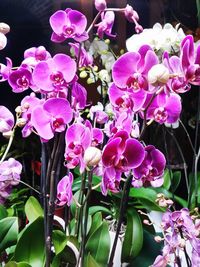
96, 164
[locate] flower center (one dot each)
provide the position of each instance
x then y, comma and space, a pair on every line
23, 82
160, 115
57, 78
68, 31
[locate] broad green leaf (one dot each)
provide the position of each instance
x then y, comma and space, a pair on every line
67, 257
167, 179
96, 222
147, 197
95, 209
149, 252
3, 212
133, 239
90, 261
59, 241
33, 209
17, 264
98, 245
8, 232
176, 178
31, 244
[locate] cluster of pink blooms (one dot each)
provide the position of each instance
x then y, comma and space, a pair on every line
141, 85
180, 230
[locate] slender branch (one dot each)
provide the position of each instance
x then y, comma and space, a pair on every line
188, 136
32, 188
8, 146
122, 210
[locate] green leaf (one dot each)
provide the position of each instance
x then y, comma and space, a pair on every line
90, 262
17, 264
59, 241
31, 245
147, 197
96, 222
8, 232
95, 209
167, 179
176, 178
149, 252
3, 212
133, 239
66, 256
33, 209
98, 244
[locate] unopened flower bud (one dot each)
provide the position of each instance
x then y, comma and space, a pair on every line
92, 156
147, 222
158, 238
3, 41
90, 81
95, 68
7, 134
100, 5
158, 75
18, 109
83, 74
21, 122
107, 41
131, 14
4, 28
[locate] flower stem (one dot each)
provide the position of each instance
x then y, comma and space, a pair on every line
8, 147
122, 210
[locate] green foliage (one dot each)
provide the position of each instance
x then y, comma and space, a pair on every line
17, 264
98, 244
8, 232
30, 247
3, 212
33, 209
133, 239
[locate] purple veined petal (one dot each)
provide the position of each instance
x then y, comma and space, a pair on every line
81, 37
78, 133
110, 181
124, 68
124, 136
138, 99
97, 135
187, 51
111, 153
143, 51
173, 107
78, 20
134, 153
59, 107
57, 38
40, 120
197, 59
161, 99
158, 159
58, 20
150, 60
66, 65
6, 120
41, 76
80, 94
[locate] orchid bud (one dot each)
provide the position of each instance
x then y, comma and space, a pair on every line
158, 239
4, 28
131, 14
182, 243
92, 156
158, 75
18, 109
83, 74
100, 5
3, 41
21, 122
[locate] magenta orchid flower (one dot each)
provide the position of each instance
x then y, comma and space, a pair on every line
151, 170
51, 116
10, 171
79, 96
126, 101
190, 59
28, 103
64, 190
97, 114
165, 108
131, 69
106, 24
34, 55
6, 120
78, 138
121, 154
5, 70
55, 73
85, 59
68, 24
21, 80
